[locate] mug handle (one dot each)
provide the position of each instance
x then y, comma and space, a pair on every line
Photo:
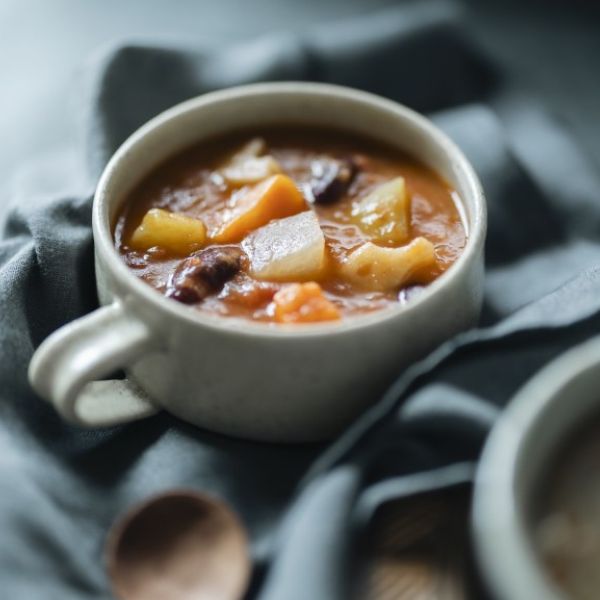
65, 367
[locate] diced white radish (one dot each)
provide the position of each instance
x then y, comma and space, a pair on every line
381, 269
248, 165
251, 170
251, 149
287, 249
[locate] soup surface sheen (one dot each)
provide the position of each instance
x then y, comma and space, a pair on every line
247, 193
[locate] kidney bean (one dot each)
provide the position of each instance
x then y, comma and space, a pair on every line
135, 260
204, 273
330, 179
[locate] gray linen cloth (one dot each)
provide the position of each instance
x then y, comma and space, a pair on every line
61, 487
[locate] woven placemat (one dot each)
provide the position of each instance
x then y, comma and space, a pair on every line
419, 549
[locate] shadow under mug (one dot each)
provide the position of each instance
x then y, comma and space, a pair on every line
254, 380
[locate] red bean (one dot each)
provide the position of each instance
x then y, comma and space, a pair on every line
204, 273
330, 179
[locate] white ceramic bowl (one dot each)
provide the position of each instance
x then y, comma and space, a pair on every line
256, 380
539, 420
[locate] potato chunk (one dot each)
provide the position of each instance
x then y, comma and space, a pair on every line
384, 214
303, 303
287, 249
274, 198
178, 234
384, 269
248, 165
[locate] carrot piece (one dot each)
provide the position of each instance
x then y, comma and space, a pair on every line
273, 198
303, 303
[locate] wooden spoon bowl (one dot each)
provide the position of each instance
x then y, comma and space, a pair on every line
180, 545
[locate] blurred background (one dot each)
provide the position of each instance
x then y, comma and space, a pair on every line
550, 49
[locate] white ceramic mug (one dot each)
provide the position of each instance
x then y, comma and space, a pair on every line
255, 380
542, 417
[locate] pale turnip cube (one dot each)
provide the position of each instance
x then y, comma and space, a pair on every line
251, 149
384, 269
291, 249
249, 165
251, 170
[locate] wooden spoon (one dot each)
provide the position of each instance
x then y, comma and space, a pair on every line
180, 545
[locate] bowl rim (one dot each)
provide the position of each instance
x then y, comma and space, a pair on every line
504, 547
103, 236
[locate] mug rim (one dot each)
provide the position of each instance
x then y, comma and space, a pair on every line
505, 547
104, 242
